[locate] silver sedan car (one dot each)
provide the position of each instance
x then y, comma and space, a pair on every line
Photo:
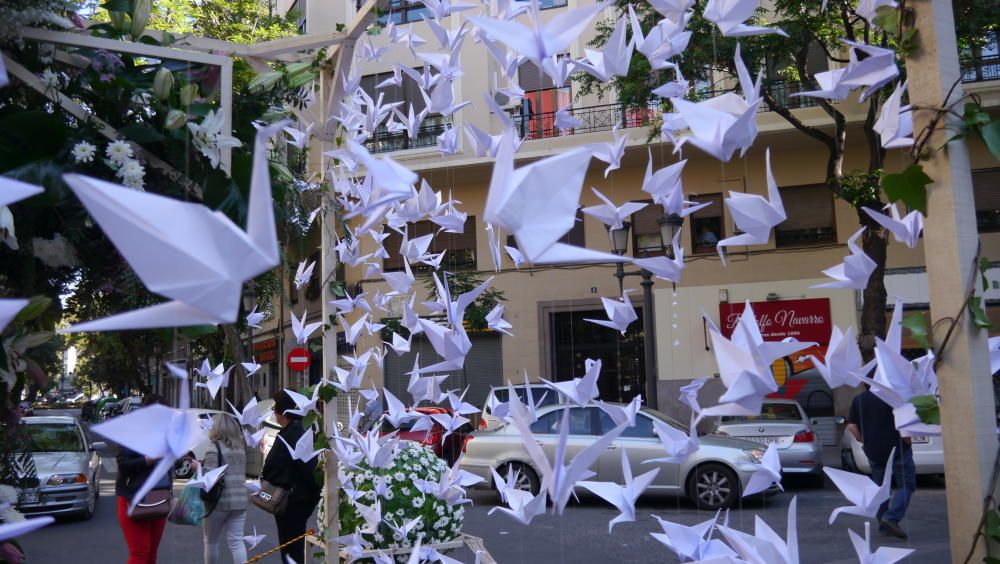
67, 468
712, 477
784, 423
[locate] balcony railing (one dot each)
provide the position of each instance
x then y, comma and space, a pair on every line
981, 69
595, 118
384, 142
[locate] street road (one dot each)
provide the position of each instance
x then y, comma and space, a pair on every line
579, 536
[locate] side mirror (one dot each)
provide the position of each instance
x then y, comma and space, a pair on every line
98, 445
839, 420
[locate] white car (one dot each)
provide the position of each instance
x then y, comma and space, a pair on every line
928, 455
66, 466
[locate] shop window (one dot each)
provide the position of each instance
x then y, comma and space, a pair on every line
460, 247
810, 217
646, 239
986, 192
707, 224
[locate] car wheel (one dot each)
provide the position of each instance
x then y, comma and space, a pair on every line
88, 512
183, 469
713, 486
526, 479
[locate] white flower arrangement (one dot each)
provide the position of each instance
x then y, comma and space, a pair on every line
84, 152
119, 152
132, 174
402, 502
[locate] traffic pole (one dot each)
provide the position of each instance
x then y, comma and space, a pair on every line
951, 242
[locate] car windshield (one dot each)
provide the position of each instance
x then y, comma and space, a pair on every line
665, 418
542, 397
55, 437
769, 412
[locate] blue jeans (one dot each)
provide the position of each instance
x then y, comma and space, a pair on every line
904, 482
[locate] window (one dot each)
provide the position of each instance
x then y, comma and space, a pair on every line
769, 412
401, 11
55, 438
707, 224
580, 422
408, 93
535, 119
810, 217
643, 428
546, 4
646, 239
986, 192
461, 248
574, 236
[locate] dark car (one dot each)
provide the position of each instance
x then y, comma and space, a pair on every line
448, 450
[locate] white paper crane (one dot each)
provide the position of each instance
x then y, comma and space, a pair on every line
620, 312
253, 540
523, 507
854, 272
614, 58
729, 15
207, 480
719, 126
14, 190
622, 497
580, 392
905, 230
895, 121
665, 40
876, 69
753, 214
196, 257
678, 445
665, 267
693, 542
765, 546
612, 152
768, 472
301, 329
158, 432
543, 39
496, 322
666, 188
250, 415
254, 318
865, 495
303, 273
565, 121
609, 214
882, 555
843, 366
303, 449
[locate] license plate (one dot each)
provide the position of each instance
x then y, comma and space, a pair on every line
764, 440
30, 496
921, 440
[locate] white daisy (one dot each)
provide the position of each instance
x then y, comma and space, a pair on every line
119, 152
84, 152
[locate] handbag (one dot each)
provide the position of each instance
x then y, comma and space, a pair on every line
189, 509
212, 496
156, 504
271, 498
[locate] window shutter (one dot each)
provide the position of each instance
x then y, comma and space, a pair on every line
807, 207
575, 235
457, 244
646, 220
986, 189
713, 210
530, 77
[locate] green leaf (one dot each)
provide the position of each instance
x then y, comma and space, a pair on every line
991, 136
909, 187
974, 116
927, 409
341, 27
36, 307
993, 525
887, 18
916, 323
979, 316
309, 419
984, 265
327, 393
142, 134
337, 288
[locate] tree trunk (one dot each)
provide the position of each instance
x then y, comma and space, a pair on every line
875, 243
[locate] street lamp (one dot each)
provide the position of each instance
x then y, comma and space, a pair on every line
669, 225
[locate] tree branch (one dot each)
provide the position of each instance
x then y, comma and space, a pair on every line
809, 130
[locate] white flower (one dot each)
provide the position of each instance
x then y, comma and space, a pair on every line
418, 502
379, 538
132, 173
209, 138
397, 537
400, 512
119, 152
140, 99
84, 152
389, 495
400, 477
51, 79
55, 252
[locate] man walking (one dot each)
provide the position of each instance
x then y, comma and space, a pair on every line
871, 422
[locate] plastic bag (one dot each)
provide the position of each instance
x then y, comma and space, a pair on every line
189, 509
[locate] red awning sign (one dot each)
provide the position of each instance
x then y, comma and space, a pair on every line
298, 359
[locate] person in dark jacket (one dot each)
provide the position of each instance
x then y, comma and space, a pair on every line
142, 537
293, 475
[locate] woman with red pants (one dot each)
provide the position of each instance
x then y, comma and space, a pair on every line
142, 537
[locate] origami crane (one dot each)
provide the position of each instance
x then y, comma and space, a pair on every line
754, 215
620, 312
543, 39
905, 230
729, 15
854, 272
765, 546
861, 491
14, 190
196, 257
883, 555
843, 365
579, 391
895, 121
609, 214
694, 542
614, 58
623, 497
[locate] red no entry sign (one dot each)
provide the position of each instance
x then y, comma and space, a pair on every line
298, 359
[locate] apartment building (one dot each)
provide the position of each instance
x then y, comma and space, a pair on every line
548, 305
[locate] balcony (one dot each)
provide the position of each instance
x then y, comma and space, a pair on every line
384, 142
981, 69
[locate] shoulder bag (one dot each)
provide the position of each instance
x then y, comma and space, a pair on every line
271, 498
156, 504
212, 496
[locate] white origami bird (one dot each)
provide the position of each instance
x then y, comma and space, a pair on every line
666, 189
609, 214
620, 312
843, 366
400, 345
675, 10
300, 329
874, 69
664, 41
768, 472
215, 379
496, 322
253, 439
677, 444
450, 488
537, 203
765, 546
612, 152
565, 121
665, 267
689, 394
895, 121
402, 281
254, 318
693, 542
207, 480
303, 449
614, 57
622, 497
515, 256
425, 387
14, 190
303, 404
195, 256
883, 555
447, 142
523, 507
579, 391
450, 422
754, 215
250, 416
729, 15
718, 126
543, 39
865, 495
253, 540
854, 272
868, 9
905, 230
158, 432
830, 86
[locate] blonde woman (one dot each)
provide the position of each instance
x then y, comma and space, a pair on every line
231, 511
